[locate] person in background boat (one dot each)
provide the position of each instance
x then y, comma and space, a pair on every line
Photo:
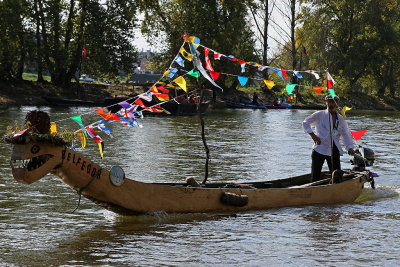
276, 102
329, 127
255, 99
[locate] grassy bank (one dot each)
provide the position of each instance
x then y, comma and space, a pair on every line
30, 92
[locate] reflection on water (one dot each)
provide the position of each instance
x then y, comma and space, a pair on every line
38, 228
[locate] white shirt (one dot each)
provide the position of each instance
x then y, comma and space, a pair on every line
320, 121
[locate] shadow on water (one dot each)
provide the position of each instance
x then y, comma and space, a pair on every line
122, 238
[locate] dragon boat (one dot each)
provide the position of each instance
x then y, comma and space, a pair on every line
114, 191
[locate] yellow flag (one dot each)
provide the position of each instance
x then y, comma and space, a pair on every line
166, 73
185, 54
193, 40
101, 148
53, 128
82, 137
181, 82
269, 84
343, 111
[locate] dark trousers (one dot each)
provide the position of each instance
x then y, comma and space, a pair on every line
319, 159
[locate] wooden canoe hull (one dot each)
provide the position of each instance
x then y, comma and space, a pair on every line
134, 197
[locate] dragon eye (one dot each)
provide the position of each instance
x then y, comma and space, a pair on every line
35, 149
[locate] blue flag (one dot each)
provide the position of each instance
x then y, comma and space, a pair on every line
242, 80
279, 72
180, 61
172, 72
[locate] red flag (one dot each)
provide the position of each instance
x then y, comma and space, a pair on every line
357, 135
284, 74
304, 51
162, 89
318, 89
139, 102
215, 75
108, 115
185, 35
330, 81
242, 64
84, 52
208, 63
162, 97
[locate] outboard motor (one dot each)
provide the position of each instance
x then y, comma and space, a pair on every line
364, 157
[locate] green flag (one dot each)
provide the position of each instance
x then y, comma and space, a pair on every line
194, 73
332, 93
290, 88
78, 120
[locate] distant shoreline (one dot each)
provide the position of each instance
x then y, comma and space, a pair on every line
30, 93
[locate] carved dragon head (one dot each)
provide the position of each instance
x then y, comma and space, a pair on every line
30, 162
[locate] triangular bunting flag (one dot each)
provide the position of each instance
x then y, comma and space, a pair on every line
242, 64
180, 61
78, 120
357, 135
82, 137
279, 72
101, 125
332, 92
284, 74
215, 75
298, 75
290, 88
108, 116
172, 72
330, 81
208, 62
96, 138
53, 128
193, 40
217, 56
318, 89
242, 80
343, 111
147, 97
162, 97
194, 73
185, 54
269, 84
181, 82
254, 64
162, 89
261, 68
313, 73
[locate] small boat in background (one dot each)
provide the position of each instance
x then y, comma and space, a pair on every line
232, 104
277, 106
64, 102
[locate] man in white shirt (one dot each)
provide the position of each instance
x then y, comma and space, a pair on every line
329, 127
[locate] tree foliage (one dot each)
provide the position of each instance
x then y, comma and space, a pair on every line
51, 34
358, 40
221, 25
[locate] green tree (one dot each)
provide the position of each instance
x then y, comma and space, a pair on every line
15, 38
354, 39
221, 25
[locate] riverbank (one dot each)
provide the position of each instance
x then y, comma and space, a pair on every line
31, 93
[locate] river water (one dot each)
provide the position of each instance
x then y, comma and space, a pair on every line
37, 226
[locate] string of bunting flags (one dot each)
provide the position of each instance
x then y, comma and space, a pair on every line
132, 108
